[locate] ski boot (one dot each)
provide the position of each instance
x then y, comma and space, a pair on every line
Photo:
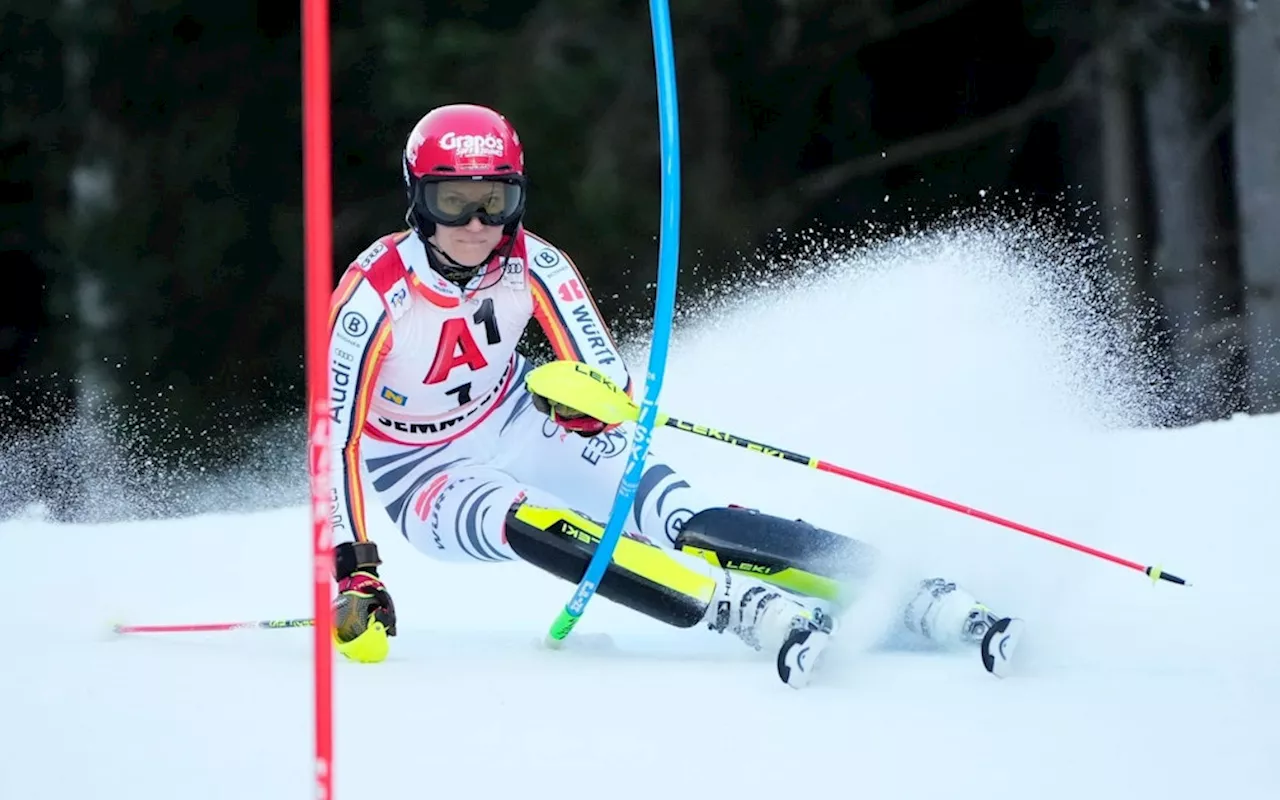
952, 617
768, 619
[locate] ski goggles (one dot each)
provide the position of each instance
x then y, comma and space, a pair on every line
494, 201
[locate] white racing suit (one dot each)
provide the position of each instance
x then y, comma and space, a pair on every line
450, 499
427, 391
427, 394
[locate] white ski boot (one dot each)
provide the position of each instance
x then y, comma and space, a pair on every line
774, 620
947, 614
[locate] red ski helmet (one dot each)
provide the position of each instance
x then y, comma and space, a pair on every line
464, 142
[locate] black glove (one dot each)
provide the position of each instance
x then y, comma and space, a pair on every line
362, 601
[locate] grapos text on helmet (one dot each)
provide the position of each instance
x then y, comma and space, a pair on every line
469, 145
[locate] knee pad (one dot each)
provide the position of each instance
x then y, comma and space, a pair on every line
791, 554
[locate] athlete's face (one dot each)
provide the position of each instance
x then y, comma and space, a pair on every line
468, 244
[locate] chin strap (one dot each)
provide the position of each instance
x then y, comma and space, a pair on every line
461, 274
453, 271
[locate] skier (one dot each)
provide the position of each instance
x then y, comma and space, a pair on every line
430, 411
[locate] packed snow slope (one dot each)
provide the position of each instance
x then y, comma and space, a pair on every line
962, 364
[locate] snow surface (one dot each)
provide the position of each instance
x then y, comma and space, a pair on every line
955, 364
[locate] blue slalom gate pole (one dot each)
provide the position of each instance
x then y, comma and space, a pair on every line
664, 309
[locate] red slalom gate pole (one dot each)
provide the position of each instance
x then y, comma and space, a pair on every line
318, 231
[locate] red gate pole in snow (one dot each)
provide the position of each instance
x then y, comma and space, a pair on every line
318, 230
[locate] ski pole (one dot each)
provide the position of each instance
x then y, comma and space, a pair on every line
580, 387
215, 626
1155, 572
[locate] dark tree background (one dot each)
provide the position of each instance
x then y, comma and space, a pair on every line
150, 154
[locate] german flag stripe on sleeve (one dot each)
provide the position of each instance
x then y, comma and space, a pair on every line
554, 324
359, 339
346, 287
373, 356
568, 313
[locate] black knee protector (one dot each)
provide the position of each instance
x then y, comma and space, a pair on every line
790, 553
